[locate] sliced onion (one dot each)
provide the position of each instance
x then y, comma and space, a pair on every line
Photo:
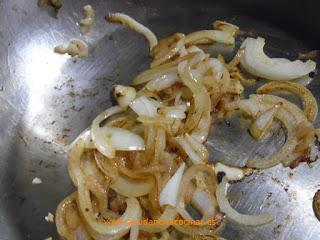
144, 106
134, 25
201, 132
89, 20
109, 139
249, 220
162, 82
124, 95
177, 111
310, 105
169, 193
198, 147
76, 47
262, 123
134, 232
304, 81
168, 214
174, 50
314, 152
86, 137
248, 106
231, 173
187, 148
205, 203
157, 72
64, 229
259, 64
123, 139
290, 116
225, 26
209, 36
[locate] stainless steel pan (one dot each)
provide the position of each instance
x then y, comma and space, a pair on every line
46, 100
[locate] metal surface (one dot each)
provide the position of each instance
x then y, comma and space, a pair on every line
46, 100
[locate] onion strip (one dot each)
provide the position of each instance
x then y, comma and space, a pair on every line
134, 25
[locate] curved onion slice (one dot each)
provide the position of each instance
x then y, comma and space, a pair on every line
133, 210
309, 102
262, 123
86, 137
144, 106
124, 95
209, 36
76, 47
68, 229
231, 173
290, 116
134, 25
122, 139
188, 149
259, 64
132, 187
168, 214
109, 139
212, 64
163, 82
250, 220
205, 203
225, 26
177, 111
87, 23
169, 193
158, 71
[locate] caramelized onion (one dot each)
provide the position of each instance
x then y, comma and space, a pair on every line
310, 106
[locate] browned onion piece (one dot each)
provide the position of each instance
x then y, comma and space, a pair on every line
289, 115
67, 218
168, 214
310, 106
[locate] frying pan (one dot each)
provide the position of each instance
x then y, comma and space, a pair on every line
46, 100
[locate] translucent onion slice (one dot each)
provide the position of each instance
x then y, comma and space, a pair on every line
157, 72
231, 173
168, 215
132, 187
262, 123
89, 20
134, 25
249, 220
76, 47
177, 111
144, 106
163, 82
188, 149
169, 193
289, 115
310, 106
109, 139
208, 37
201, 132
86, 137
225, 26
205, 203
124, 95
123, 139
212, 64
259, 64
